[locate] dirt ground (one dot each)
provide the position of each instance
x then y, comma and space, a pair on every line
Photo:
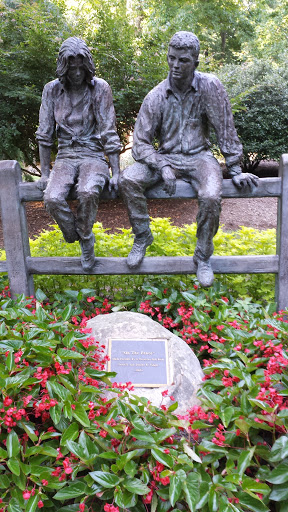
260, 213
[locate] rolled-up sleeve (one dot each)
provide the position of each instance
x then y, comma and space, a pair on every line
44, 134
220, 116
105, 115
147, 124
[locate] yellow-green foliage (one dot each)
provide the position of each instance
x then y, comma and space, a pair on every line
169, 240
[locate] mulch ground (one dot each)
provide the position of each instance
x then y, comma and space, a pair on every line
260, 213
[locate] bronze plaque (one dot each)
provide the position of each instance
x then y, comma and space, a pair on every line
144, 362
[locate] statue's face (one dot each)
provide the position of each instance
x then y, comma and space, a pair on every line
76, 71
182, 63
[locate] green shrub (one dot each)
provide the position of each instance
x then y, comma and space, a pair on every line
169, 240
262, 121
64, 447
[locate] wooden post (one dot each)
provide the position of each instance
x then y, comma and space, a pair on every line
282, 238
15, 230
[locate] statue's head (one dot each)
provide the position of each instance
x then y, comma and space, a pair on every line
186, 41
73, 48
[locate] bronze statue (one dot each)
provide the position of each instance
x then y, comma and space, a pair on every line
177, 114
79, 107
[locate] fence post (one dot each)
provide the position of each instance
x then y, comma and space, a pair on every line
15, 230
281, 288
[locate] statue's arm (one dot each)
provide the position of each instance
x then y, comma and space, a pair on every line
44, 134
115, 169
147, 124
221, 118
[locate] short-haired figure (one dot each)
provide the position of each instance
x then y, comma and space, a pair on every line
178, 113
79, 108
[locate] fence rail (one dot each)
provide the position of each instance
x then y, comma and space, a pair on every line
21, 266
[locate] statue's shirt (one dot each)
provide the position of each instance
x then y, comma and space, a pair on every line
86, 125
180, 124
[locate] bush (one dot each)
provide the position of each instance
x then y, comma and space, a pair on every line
79, 451
262, 122
169, 240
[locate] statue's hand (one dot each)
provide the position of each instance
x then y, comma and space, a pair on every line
42, 183
245, 179
113, 184
169, 180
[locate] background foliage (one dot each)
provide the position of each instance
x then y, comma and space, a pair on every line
128, 40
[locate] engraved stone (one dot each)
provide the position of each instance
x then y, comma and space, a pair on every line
185, 373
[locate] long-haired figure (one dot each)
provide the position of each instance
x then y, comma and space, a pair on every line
78, 108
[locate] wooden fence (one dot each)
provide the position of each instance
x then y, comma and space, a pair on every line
21, 266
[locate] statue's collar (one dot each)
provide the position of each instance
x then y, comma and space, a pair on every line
169, 87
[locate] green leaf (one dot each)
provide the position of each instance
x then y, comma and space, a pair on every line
226, 415
163, 434
12, 444
135, 486
77, 488
106, 479
57, 389
66, 355
70, 434
69, 339
13, 465
244, 460
279, 475
142, 435
80, 414
14, 506
32, 503
10, 363
123, 459
191, 453
164, 458
191, 490
30, 431
90, 448
18, 380
124, 499
279, 449
175, 489
55, 413
252, 503
250, 484
279, 492
67, 312
212, 397
40, 296
131, 468
77, 450
3, 454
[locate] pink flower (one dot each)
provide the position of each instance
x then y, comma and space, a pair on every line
40, 504
26, 494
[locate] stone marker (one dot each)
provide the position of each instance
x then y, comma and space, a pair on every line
185, 373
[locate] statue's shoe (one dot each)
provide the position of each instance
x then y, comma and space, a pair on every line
88, 255
204, 273
138, 250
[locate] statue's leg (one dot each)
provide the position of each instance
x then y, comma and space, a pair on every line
207, 180
62, 178
93, 174
133, 182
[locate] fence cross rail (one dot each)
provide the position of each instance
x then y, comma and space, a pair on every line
21, 266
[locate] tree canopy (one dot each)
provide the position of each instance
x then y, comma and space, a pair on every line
128, 40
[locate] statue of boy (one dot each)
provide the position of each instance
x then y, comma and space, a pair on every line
177, 113
80, 107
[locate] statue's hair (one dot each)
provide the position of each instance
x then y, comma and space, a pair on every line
73, 47
186, 40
